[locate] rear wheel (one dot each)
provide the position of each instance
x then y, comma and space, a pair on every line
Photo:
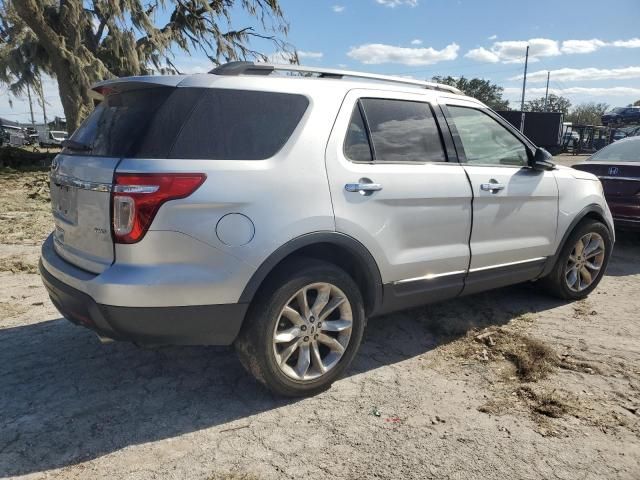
582, 261
303, 329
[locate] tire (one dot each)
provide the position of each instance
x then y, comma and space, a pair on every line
561, 282
261, 344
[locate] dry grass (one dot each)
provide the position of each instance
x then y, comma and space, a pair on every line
529, 360
18, 264
582, 309
10, 310
549, 404
532, 359
568, 362
546, 403
26, 213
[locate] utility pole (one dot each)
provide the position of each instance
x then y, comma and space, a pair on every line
33, 122
44, 106
546, 94
524, 87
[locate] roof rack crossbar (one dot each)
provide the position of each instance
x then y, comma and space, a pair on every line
250, 68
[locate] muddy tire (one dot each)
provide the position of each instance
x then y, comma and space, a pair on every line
303, 328
582, 261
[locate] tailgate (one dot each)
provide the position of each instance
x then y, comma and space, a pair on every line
82, 175
80, 200
620, 187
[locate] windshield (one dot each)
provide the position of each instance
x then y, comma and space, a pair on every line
622, 151
618, 110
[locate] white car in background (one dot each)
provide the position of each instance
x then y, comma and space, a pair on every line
53, 138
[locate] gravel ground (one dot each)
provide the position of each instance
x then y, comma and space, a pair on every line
507, 384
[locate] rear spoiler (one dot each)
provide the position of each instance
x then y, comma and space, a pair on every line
98, 90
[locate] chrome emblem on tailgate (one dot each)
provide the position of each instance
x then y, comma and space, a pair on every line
59, 234
613, 170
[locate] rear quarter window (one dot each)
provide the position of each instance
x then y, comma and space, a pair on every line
239, 125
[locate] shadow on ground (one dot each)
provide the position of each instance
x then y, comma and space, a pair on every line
65, 398
626, 254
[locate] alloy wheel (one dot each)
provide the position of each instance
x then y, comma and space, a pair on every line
312, 332
585, 262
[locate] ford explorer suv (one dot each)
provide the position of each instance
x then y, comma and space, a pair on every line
276, 208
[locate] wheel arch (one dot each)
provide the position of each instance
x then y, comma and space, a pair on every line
592, 211
333, 247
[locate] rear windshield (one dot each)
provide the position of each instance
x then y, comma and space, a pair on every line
194, 123
622, 151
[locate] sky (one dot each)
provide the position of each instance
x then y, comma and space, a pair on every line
591, 48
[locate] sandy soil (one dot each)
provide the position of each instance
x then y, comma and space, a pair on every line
507, 384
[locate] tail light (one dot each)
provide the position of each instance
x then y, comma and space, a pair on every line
137, 197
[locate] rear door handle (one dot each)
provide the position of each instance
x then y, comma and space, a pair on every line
363, 187
493, 187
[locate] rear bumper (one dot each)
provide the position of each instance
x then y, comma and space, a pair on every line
183, 325
625, 211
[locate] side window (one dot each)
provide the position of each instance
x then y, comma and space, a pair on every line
356, 143
239, 125
485, 141
399, 131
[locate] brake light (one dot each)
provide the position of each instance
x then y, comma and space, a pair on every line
136, 198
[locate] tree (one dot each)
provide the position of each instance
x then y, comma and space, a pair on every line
555, 103
587, 113
82, 41
488, 93
636, 103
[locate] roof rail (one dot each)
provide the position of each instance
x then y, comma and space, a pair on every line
251, 68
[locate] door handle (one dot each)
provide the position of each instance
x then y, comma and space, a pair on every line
363, 187
492, 186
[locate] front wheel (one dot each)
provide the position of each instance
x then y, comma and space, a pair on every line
582, 261
303, 329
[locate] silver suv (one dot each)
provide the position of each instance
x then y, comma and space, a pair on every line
277, 207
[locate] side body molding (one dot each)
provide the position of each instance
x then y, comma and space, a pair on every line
363, 258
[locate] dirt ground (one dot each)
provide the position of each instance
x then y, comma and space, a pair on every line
506, 384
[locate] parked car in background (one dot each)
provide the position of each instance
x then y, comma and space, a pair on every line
618, 135
618, 167
621, 116
53, 138
278, 212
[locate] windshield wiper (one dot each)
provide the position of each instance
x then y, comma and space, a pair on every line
74, 145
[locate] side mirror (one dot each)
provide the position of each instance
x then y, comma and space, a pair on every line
542, 160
